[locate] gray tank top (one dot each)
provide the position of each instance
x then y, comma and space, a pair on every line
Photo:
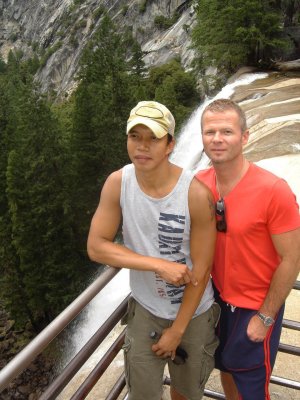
158, 228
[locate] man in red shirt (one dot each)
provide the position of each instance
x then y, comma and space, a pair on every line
257, 254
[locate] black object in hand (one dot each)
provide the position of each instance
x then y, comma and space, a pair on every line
180, 354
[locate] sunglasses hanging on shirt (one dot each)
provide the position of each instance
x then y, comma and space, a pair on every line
220, 212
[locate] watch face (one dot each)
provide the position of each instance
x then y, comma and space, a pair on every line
268, 321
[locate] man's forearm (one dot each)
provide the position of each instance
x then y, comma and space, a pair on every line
280, 287
117, 255
191, 300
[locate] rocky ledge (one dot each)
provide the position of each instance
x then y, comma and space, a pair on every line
272, 107
32, 382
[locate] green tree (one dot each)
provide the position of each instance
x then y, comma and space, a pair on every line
110, 83
42, 269
174, 87
232, 33
291, 10
11, 284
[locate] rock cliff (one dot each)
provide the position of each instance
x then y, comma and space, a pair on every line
60, 29
272, 107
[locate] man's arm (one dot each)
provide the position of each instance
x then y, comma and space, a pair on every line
288, 247
102, 248
202, 245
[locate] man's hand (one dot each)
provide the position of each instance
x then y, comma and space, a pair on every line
177, 274
256, 330
167, 344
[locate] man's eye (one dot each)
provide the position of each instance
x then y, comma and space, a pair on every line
209, 133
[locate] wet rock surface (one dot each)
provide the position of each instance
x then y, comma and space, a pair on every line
272, 107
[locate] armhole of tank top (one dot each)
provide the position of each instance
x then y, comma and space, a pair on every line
125, 174
123, 177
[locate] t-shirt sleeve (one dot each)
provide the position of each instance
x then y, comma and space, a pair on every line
283, 210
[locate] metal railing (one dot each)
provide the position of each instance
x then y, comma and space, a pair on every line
37, 345
40, 342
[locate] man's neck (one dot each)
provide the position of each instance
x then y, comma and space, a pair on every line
159, 183
228, 175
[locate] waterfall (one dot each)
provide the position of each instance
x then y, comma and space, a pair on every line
188, 152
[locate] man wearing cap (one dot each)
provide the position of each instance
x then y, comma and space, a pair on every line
168, 227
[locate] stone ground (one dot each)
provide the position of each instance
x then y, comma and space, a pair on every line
287, 366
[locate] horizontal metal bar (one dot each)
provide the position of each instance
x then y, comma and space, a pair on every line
22, 360
290, 324
213, 395
289, 349
88, 384
207, 392
76, 363
278, 380
117, 388
296, 285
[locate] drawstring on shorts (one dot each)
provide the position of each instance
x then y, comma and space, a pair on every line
232, 307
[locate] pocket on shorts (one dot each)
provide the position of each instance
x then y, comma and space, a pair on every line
216, 312
241, 353
126, 351
208, 362
130, 311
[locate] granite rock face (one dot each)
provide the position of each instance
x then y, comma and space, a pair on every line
59, 30
62, 28
272, 107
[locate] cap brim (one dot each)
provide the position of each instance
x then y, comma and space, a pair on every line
156, 128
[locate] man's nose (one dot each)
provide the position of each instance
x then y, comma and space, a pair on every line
144, 144
217, 137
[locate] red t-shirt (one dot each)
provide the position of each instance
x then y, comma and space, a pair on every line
259, 206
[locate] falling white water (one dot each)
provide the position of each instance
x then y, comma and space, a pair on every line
97, 312
188, 152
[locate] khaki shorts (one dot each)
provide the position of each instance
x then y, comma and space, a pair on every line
144, 370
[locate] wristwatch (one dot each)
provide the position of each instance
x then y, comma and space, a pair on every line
267, 321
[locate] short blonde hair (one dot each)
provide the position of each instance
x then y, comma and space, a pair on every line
222, 105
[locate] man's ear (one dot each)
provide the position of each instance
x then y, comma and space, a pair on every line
171, 146
245, 136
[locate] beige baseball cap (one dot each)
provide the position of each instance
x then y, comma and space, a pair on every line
154, 115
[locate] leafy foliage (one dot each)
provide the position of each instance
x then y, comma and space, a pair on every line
171, 85
105, 95
232, 33
41, 269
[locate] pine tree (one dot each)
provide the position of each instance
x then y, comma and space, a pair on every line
44, 271
108, 89
171, 85
232, 33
